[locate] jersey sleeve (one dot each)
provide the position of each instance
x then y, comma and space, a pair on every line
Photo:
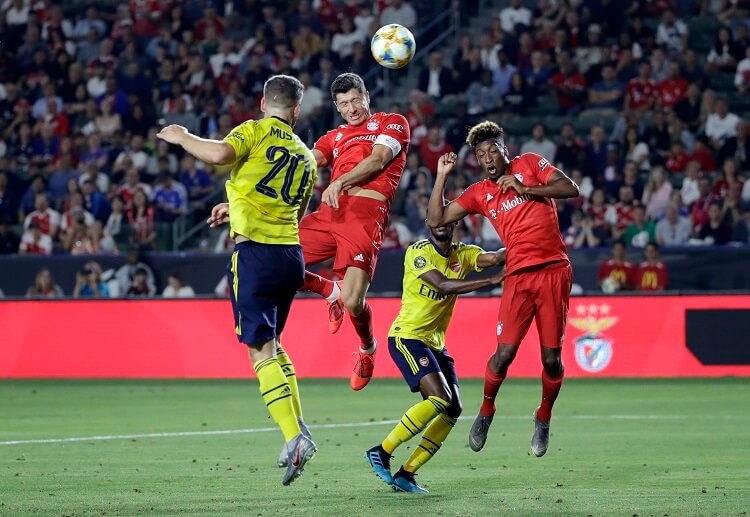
395, 133
417, 261
468, 200
469, 256
325, 146
242, 139
540, 166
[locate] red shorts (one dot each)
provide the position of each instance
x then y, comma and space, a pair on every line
542, 292
352, 234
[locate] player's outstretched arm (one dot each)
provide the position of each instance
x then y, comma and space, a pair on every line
214, 152
491, 259
438, 214
451, 286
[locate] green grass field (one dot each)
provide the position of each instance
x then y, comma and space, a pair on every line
630, 447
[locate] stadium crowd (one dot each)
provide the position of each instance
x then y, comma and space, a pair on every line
644, 109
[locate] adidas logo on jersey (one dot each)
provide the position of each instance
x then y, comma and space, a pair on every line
359, 258
490, 197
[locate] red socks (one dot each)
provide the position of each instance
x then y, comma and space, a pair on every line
550, 389
317, 284
363, 326
492, 382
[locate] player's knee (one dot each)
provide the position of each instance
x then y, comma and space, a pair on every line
455, 408
552, 364
503, 356
353, 302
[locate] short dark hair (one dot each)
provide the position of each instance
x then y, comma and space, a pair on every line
283, 91
346, 82
484, 131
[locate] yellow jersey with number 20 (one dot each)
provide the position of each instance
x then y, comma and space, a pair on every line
425, 311
273, 172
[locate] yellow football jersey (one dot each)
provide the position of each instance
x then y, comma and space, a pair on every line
274, 171
426, 312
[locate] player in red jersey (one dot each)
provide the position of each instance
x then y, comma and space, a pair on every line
367, 156
517, 199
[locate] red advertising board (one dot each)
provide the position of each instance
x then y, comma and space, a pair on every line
606, 337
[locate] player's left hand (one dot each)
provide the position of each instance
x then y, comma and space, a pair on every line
219, 215
509, 181
173, 133
331, 194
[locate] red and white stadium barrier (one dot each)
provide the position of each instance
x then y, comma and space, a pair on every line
606, 337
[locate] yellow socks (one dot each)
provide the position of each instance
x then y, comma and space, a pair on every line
288, 368
277, 394
414, 421
431, 442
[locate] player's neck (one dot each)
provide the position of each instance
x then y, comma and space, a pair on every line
442, 247
283, 116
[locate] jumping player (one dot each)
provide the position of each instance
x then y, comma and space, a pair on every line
434, 272
272, 177
517, 199
367, 156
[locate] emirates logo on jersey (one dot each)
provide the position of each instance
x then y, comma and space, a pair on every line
372, 125
339, 136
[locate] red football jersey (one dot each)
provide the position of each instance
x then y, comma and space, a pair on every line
346, 146
672, 91
526, 224
640, 93
652, 277
623, 272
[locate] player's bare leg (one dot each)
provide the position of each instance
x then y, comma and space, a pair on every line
353, 291
552, 378
497, 368
331, 291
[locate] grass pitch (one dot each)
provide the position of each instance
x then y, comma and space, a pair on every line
618, 447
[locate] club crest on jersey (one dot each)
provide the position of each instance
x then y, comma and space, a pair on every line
372, 125
455, 267
499, 327
424, 361
519, 177
420, 262
339, 136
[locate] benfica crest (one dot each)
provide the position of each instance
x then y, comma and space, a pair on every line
593, 349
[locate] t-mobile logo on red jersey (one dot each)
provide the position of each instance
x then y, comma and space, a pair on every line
512, 203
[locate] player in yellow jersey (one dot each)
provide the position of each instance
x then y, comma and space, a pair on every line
272, 177
434, 274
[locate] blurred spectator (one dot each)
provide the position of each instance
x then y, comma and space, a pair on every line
729, 176
652, 274
723, 54
131, 185
8, 198
538, 75
742, 73
737, 147
539, 143
617, 272
677, 159
641, 231
483, 96
721, 124
75, 211
595, 153
636, 150
672, 89
182, 117
518, 98
435, 79
716, 230
514, 15
177, 288
44, 286
89, 282
94, 201
583, 233
134, 156
570, 151
169, 198
117, 221
34, 241
605, 96
433, 147
689, 190
672, 33
569, 86
196, 181
125, 275
140, 286
400, 12
631, 178
9, 241
673, 229
504, 72
141, 221
46, 219
396, 236
657, 193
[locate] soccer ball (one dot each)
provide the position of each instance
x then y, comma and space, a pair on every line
393, 46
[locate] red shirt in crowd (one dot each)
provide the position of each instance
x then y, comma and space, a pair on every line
671, 91
677, 162
640, 93
346, 146
652, 277
527, 224
624, 214
624, 272
430, 155
575, 82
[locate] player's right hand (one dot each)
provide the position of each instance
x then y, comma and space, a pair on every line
219, 215
446, 163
